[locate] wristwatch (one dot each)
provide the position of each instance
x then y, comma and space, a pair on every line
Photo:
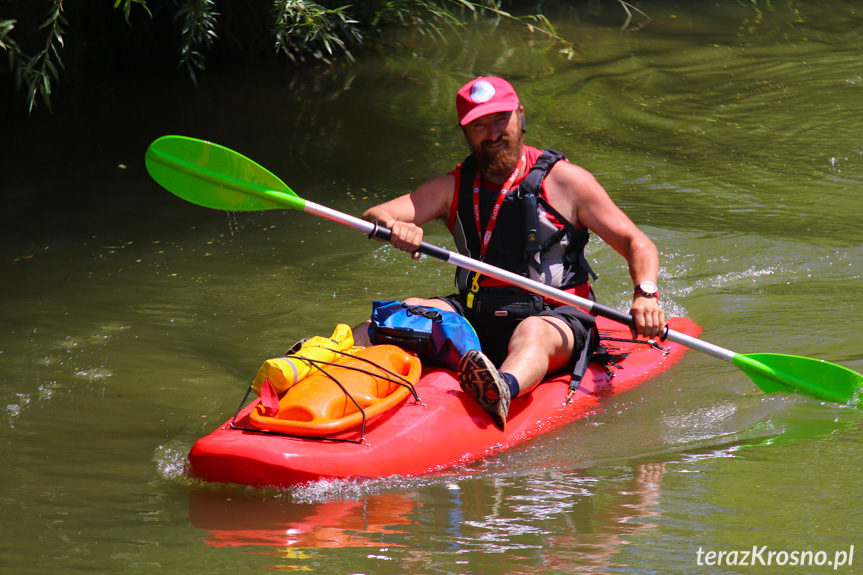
648, 289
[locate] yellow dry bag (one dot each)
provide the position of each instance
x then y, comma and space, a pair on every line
284, 372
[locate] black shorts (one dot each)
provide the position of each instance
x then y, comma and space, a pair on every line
494, 334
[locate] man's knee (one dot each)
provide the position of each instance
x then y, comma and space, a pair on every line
547, 336
361, 334
545, 329
435, 303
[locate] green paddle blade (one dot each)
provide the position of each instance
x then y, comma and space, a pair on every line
789, 373
216, 177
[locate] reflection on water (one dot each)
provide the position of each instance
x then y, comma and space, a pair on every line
130, 321
237, 520
465, 519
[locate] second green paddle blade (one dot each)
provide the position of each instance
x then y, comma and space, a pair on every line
815, 378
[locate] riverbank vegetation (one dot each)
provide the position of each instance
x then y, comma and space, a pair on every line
62, 46
61, 49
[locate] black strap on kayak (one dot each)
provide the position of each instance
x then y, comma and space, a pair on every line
396, 378
588, 352
607, 356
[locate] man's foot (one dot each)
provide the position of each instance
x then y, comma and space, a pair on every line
479, 378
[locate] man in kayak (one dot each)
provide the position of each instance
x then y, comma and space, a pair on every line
528, 211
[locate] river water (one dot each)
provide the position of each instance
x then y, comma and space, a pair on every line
132, 321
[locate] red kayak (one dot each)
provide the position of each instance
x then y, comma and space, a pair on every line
445, 427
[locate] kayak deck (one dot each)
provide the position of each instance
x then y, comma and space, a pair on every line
447, 427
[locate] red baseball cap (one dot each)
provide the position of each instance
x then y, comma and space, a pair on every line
482, 96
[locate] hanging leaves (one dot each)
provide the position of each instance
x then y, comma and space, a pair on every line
302, 30
306, 28
197, 35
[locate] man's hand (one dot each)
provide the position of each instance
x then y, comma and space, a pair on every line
649, 317
406, 237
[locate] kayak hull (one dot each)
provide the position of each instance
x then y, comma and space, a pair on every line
446, 428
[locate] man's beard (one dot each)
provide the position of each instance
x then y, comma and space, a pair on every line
502, 163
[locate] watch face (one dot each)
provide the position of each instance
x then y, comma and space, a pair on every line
648, 287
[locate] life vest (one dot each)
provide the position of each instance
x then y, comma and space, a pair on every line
531, 238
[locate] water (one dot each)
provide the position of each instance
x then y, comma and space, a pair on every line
132, 321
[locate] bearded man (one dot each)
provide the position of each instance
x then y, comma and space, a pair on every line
530, 212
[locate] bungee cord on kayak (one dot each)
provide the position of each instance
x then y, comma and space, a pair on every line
274, 417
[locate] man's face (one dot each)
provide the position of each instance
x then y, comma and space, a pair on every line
496, 141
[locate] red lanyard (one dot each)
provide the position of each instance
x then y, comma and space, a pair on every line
485, 239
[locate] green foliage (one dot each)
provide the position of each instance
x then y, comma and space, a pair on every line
197, 34
305, 28
425, 16
432, 17
127, 7
7, 43
41, 71
301, 30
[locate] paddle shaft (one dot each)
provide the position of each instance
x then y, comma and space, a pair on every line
376, 230
748, 364
216, 177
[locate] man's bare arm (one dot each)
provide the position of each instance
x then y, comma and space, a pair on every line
404, 215
588, 204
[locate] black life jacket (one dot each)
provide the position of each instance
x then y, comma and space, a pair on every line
525, 240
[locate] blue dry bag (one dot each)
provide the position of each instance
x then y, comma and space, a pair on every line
438, 337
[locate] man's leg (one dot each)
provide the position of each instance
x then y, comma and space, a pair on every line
539, 345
